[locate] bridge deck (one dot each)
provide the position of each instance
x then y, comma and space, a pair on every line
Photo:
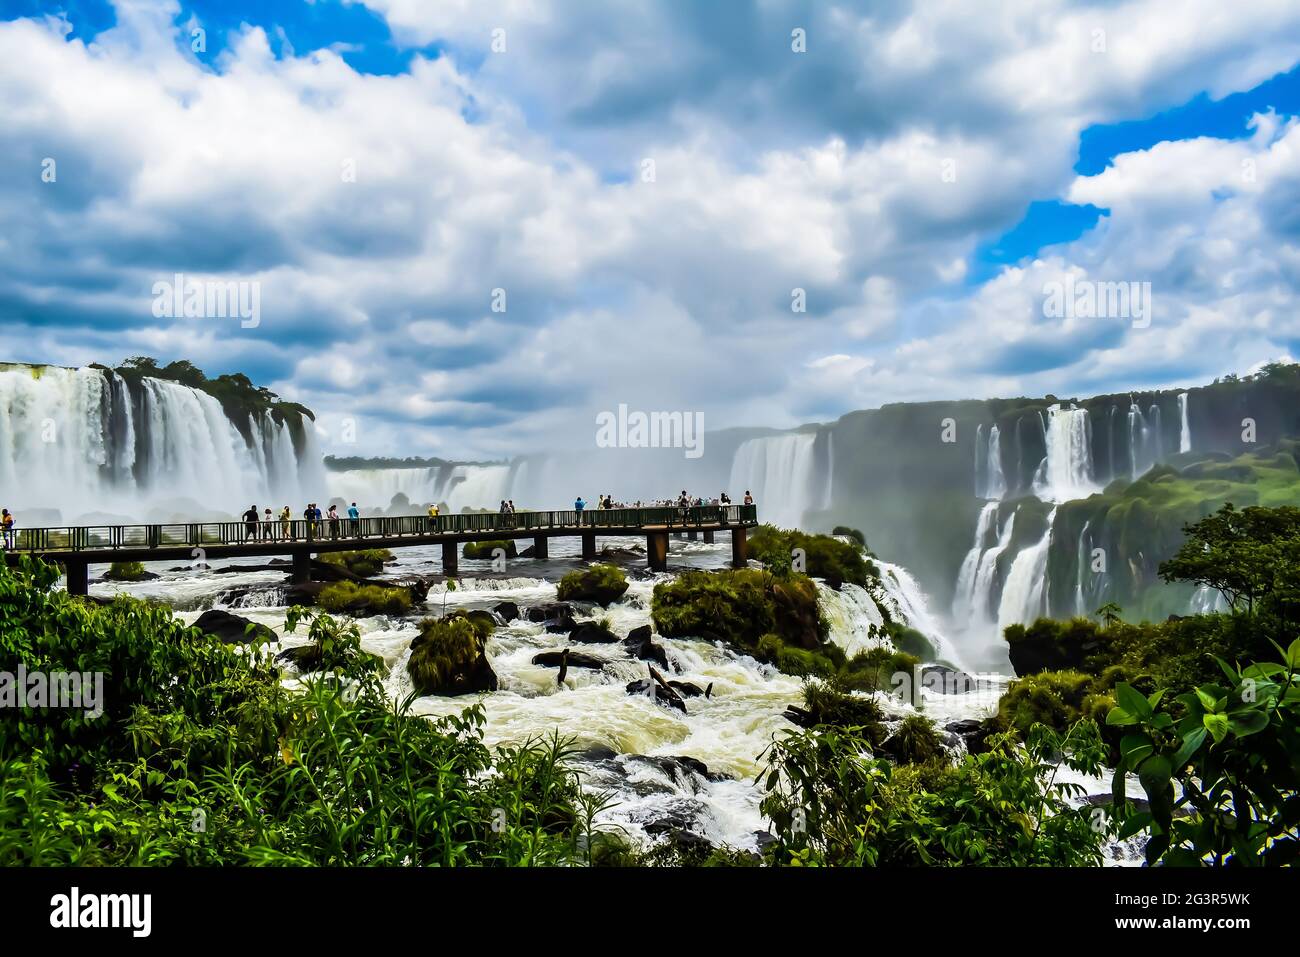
79, 545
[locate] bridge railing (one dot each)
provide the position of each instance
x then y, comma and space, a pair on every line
199, 534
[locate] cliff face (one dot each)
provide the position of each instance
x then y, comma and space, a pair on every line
913, 477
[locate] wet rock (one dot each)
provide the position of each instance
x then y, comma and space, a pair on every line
972, 731
596, 754
233, 629
507, 610
577, 659
688, 690
640, 645
591, 632
644, 685
556, 616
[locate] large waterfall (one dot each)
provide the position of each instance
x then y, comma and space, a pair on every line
1066, 471
87, 441
457, 487
1185, 428
780, 471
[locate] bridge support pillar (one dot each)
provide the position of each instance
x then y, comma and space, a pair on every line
656, 550
78, 577
693, 536
708, 538
588, 546
739, 548
450, 558
541, 547
301, 567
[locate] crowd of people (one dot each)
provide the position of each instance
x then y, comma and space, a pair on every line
683, 500
268, 525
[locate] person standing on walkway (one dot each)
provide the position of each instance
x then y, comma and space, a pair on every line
250, 523
7, 525
268, 525
433, 517
354, 520
578, 506
333, 517
286, 523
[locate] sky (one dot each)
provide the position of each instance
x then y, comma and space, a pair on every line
474, 226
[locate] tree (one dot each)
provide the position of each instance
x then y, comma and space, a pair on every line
1109, 613
1248, 556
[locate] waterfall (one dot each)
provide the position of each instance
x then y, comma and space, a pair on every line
1066, 470
907, 603
1024, 595
779, 472
1185, 429
1080, 602
986, 574
997, 483
87, 440
964, 594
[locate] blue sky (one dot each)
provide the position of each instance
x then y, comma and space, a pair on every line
649, 187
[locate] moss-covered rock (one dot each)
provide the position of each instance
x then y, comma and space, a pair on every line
448, 657
128, 572
1049, 645
827, 702
364, 563
740, 606
486, 550
361, 601
602, 584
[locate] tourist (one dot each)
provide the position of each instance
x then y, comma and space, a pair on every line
354, 520
433, 517
286, 523
250, 523
7, 521
749, 499
333, 517
578, 506
309, 516
268, 525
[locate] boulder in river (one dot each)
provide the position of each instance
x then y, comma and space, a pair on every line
556, 616
507, 610
602, 584
577, 659
232, 629
448, 656
640, 645
592, 633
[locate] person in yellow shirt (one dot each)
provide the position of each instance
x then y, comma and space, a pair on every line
433, 517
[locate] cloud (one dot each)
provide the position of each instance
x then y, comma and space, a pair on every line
473, 258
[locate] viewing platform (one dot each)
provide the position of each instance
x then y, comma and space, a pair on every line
79, 546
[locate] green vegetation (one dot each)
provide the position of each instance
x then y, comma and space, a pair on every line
740, 607
447, 656
832, 801
364, 600
822, 556
239, 398
484, 550
202, 757
1234, 751
602, 584
365, 563
125, 572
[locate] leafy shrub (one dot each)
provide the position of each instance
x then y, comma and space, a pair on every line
825, 557
914, 741
740, 606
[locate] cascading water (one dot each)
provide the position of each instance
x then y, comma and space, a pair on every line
1080, 601
997, 482
907, 602
1066, 471
779, 471
964, 593
1185, 428
85, 440
1024, 595
986, 574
